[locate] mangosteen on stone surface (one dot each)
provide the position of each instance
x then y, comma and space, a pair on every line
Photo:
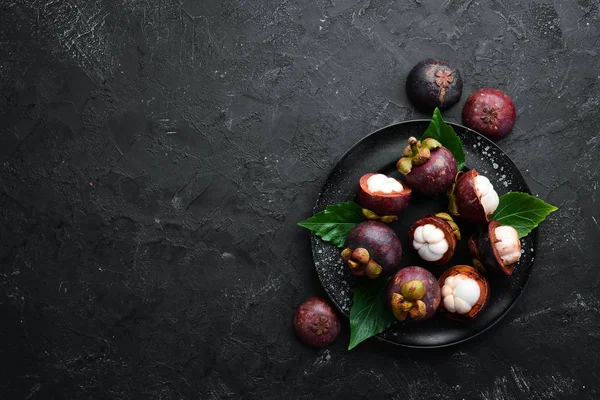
490, 112
316, 322
434, 83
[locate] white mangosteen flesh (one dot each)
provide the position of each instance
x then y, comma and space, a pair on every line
487, 194
430, 242
508, 244
460, 293
383, 184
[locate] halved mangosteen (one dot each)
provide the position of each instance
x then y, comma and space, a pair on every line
382, 197
465, 292
472, 197
434, 238
496, 249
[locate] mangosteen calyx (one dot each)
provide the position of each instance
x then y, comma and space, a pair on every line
321, 325
490, 116
416, 153
360, 262
443, 78
450, 221
408, 302
386, 219
460, 293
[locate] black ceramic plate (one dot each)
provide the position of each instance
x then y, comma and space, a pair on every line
379, 152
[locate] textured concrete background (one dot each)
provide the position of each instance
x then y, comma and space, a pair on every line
155, 156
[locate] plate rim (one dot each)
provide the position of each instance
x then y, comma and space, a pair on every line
533, 234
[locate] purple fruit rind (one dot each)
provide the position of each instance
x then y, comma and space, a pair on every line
432, 295
380, 241
434, 176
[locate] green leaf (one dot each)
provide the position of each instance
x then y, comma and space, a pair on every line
335, 222
369, 315
521, 211
443, 133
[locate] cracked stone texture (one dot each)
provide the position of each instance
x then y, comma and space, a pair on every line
155, 157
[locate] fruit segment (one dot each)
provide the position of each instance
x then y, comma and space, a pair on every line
434, 237
414, 294
465, 292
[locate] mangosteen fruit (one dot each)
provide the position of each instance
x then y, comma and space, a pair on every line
434, 238
490, 112
382, 197
372, 249
428, 167
434, 83
472, 197
413, 293
465, 292
316, 322
496, 249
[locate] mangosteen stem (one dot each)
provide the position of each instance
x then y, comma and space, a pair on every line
412, 141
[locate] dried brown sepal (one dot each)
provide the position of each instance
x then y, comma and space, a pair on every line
386, 219
361, 256
346, 254
373, 270
430, 144
404, 165
422, 157
397, 309
418, 311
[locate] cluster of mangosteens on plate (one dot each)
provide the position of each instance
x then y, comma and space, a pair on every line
372, 248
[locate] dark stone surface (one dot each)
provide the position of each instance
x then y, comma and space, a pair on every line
155, 157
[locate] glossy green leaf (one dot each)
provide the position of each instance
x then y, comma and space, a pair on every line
335, 222
522, 211
444, 133
369, 315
